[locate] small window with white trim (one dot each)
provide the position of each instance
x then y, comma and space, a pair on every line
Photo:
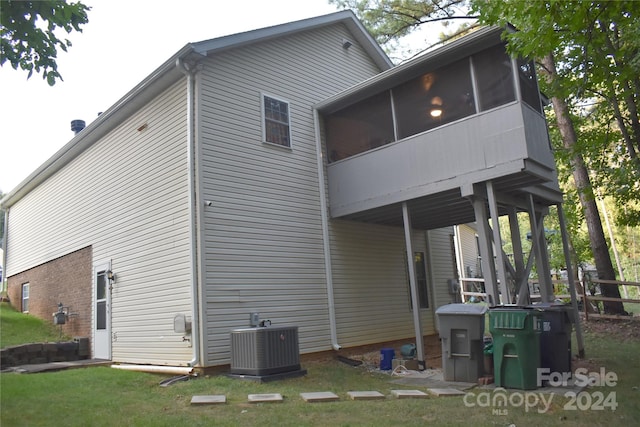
276, 119
25, 297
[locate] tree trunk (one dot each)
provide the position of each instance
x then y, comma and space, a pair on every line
604, 266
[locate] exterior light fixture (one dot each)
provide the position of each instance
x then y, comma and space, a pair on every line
111, 276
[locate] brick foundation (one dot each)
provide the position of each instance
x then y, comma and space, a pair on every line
65, 280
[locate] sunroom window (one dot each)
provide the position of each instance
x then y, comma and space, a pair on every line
494, 78
359, 127
433, 99
528, 84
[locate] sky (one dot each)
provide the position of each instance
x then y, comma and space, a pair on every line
123, 42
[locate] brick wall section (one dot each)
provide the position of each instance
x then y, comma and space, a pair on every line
68, 280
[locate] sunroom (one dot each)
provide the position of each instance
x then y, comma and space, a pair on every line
426, 131
453, 136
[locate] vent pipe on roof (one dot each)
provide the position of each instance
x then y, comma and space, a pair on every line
77, 125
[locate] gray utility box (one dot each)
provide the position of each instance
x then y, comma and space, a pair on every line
265, 350
462, 334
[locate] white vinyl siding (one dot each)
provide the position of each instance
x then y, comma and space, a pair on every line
127, 197
263, 236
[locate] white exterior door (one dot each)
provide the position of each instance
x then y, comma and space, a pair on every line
101, 311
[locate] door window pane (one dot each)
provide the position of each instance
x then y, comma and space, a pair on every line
101, 315
101, 285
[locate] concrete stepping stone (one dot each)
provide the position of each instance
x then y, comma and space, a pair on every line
445, 391
365, 395
265, 397
409, 394
209, 399
319, 396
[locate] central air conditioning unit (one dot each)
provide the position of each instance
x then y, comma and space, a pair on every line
265, 350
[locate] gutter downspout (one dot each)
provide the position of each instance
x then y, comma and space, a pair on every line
325, 233
155, 369
194, 210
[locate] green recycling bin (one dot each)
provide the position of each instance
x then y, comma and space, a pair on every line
516, 346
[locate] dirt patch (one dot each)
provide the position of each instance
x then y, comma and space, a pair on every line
623, 329
369, 355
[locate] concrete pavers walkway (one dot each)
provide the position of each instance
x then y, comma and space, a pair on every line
320, 396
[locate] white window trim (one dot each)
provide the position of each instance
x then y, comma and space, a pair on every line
264, 120
22, 298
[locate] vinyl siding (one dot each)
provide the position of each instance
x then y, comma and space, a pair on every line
469, 249
263, 233
371, 284
442, 259
127, 197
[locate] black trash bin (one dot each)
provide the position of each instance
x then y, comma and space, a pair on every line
555, 337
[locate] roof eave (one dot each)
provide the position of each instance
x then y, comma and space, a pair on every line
346, 17
412, 68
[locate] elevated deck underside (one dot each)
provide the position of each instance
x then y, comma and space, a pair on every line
450, 207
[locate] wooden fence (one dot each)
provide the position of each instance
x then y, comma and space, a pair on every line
586, 297
472, 287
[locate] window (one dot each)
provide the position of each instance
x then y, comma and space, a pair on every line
494, 77
360, 127
101, 300
421, 280
276, 121
433, 99
528, 84
25, 297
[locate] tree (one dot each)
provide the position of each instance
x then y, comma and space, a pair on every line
573, 31
599, 47
28, 38
390, 20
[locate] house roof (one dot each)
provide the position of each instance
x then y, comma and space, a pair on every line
169, 72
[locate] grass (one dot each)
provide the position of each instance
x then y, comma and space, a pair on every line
102, 396
19, 328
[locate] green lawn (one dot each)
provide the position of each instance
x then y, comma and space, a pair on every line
102, 396
18, 328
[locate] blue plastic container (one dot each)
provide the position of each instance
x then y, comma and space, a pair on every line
386, 357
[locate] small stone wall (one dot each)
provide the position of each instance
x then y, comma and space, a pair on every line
28, 354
